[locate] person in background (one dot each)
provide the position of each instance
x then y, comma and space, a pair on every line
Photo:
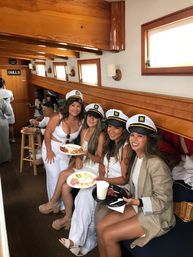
48, 112
39, 101
8, 97
82, 235
5, 151
51, 96
149, 209
63, 128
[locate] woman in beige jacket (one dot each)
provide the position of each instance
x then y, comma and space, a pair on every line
149, 210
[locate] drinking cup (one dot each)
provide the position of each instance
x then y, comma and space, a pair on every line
102, 187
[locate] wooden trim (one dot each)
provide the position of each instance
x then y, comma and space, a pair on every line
174, 114
168, 19
117, 33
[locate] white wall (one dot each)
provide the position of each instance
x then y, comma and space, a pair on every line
137, 13
129, 61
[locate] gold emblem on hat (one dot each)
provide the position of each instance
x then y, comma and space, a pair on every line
141, 119
116, 114
77, 93
96, 106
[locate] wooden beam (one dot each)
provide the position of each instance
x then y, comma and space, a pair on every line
78, 22
174, 114
117, 36
20, 47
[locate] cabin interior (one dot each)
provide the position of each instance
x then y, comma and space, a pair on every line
109, 33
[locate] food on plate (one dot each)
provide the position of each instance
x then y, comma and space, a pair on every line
71, 149
63, 149
112, 192
81, 179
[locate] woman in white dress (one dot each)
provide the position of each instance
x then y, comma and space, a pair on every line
82, 235
92, 140
62, 128
8, 97
149, 210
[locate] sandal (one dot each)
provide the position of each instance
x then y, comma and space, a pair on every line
68, 244
48, 207
61, 223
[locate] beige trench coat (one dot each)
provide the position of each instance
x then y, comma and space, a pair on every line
154, 182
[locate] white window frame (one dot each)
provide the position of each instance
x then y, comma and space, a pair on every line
38, 70
63, 64
82, 63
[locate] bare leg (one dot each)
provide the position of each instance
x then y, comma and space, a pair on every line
53, 205
68, 200
61, 181
116, 227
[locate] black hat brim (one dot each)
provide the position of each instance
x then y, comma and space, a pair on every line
94, 114
115, 123
141, 130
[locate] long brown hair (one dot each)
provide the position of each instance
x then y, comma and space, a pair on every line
65, 109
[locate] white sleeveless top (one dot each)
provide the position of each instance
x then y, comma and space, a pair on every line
113, 167
61, 136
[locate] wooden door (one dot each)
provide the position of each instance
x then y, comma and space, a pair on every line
18, 84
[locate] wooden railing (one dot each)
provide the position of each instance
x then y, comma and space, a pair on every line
174, 114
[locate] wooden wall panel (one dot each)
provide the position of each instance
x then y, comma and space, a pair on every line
174, 114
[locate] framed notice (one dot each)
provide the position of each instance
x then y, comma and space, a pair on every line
13, 72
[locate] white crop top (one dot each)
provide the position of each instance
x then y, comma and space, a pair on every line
61, 136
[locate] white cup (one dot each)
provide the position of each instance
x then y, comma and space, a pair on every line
102, 187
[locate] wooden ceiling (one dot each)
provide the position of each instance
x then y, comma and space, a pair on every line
43, 29
47, 29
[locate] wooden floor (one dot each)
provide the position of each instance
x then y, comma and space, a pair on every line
29, 233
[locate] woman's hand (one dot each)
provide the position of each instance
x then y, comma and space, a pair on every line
50, 157
78, 163
131, 201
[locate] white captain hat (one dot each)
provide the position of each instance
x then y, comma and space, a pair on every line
116, 118
51, 93
141, 124
74, 94
95, 110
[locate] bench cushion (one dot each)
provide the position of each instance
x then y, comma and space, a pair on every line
176, 243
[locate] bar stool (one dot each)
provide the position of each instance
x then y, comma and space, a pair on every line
30, 141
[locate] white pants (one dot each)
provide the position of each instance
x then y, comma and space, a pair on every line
53, 170
83, 231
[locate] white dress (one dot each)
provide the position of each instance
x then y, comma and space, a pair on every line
8, 96
83, 230
61, 161
5, 151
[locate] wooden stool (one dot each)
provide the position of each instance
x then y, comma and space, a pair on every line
28, 147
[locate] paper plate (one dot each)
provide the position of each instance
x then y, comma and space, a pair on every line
82, 179
71, 149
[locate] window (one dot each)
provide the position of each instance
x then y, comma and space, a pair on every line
40, 68
59, 70
89, 72
167, 44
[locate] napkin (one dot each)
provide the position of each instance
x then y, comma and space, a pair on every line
117, 208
